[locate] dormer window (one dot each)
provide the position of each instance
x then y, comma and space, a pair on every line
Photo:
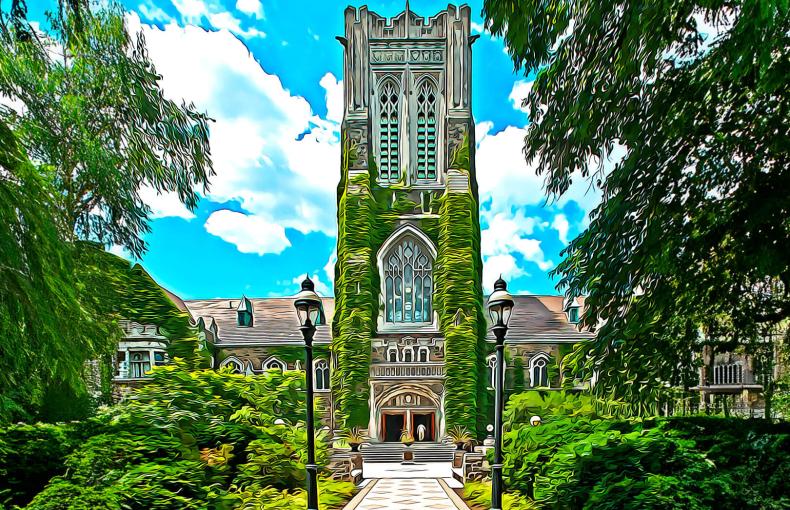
572, 309
244, 313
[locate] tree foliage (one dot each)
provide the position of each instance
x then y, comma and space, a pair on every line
40, 305
694, 224
84, 126
92, 110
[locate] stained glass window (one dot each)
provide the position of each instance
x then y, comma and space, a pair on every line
407, 282
389, 100
426, 131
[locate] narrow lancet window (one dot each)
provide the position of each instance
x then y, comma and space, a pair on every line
426, 131
388, 131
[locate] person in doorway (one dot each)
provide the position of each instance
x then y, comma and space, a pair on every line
421, 432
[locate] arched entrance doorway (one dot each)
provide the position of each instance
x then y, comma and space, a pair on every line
407, 407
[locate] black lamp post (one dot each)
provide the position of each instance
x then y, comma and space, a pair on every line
500, 306
308, 309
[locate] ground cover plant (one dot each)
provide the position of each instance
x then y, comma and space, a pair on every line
188, 439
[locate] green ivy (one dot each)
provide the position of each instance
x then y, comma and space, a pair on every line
355, 296
367, 215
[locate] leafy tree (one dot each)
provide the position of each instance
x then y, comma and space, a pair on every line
45, 333
692, 232
93, 111
89, 129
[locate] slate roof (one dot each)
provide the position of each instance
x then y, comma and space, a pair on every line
535, 319
542, 319
274, 321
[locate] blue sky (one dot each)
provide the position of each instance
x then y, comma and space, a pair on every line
269, 73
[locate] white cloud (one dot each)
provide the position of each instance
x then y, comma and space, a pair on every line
320, 287
561, 225
250, 233
503, 265
519, 92
194, 11
225, 20
271, 153
191, 10
153, 12
329, 267
164, 204
251, 7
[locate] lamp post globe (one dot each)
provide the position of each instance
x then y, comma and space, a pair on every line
500, 308
308, 310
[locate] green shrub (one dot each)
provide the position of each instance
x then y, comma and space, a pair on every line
64, 495
192, 439
580, 460
29, 456
479, 494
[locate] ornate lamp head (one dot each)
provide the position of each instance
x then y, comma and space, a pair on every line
308, 304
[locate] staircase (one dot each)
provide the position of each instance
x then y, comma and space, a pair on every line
393, 452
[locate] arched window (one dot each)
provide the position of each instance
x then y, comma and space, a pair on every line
274, 363
321, 372
392, 355
139, 364
408, 353
234, 364
539, 370
408, 283
426, 130
491, 363
389, 102
424, 355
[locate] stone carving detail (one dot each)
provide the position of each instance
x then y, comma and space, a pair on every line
387, 56
456, 132
399, 56
357, 135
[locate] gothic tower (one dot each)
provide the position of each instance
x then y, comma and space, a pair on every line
408, 330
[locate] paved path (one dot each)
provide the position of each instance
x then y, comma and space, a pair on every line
406, 494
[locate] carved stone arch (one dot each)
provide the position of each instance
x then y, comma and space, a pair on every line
404, 390
235, 363
273, 362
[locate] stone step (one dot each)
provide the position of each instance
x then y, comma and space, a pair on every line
393, 452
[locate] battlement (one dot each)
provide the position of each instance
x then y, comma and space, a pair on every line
408, 24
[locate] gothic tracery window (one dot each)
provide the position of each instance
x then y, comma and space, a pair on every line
426, 131
321, 375
539, 370
408, 284
389, 162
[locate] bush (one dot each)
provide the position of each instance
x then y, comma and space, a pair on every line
580, 460
199, 439
29, 456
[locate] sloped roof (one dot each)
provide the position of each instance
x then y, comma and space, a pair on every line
542, 318
274, 320
535, 319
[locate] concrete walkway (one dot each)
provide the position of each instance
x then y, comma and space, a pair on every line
402, 490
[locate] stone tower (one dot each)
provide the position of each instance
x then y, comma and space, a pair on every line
408, 331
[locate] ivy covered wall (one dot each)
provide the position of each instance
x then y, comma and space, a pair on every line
459, 296
367, 215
